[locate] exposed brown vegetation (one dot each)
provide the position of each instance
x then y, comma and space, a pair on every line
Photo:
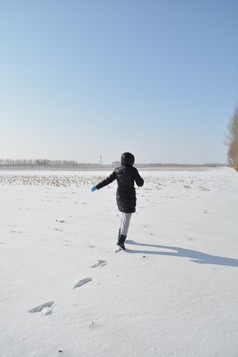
233, 141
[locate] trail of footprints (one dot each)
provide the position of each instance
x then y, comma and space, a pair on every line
46, 308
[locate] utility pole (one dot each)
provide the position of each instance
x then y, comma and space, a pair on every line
101, 160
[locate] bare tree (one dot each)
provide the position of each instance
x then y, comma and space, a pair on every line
233, 140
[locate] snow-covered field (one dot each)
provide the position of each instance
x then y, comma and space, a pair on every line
63, 290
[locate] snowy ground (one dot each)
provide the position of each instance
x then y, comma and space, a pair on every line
63, 290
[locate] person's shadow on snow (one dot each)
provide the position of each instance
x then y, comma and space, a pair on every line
195, 256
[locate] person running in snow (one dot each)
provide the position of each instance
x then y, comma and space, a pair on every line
125, 175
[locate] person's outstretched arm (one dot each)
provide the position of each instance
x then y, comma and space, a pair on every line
105, 182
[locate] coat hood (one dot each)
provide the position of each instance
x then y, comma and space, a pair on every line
127, 159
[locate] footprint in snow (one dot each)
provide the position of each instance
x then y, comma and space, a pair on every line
45, 309
91, 246
82, 282
93, 325
100, 263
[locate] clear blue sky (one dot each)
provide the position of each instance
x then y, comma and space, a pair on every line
84, 78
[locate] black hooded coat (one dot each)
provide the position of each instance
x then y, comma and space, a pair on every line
126, 175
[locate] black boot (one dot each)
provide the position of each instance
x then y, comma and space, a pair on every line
121, 241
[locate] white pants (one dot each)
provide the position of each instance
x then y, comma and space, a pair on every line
125, 222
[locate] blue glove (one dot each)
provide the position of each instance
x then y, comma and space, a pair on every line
94, 188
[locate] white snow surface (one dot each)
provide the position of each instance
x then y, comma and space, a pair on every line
173, 292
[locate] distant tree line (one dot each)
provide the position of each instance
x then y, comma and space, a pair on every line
40, 163
71, 164
233, 140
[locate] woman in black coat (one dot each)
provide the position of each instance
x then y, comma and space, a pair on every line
126, 175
